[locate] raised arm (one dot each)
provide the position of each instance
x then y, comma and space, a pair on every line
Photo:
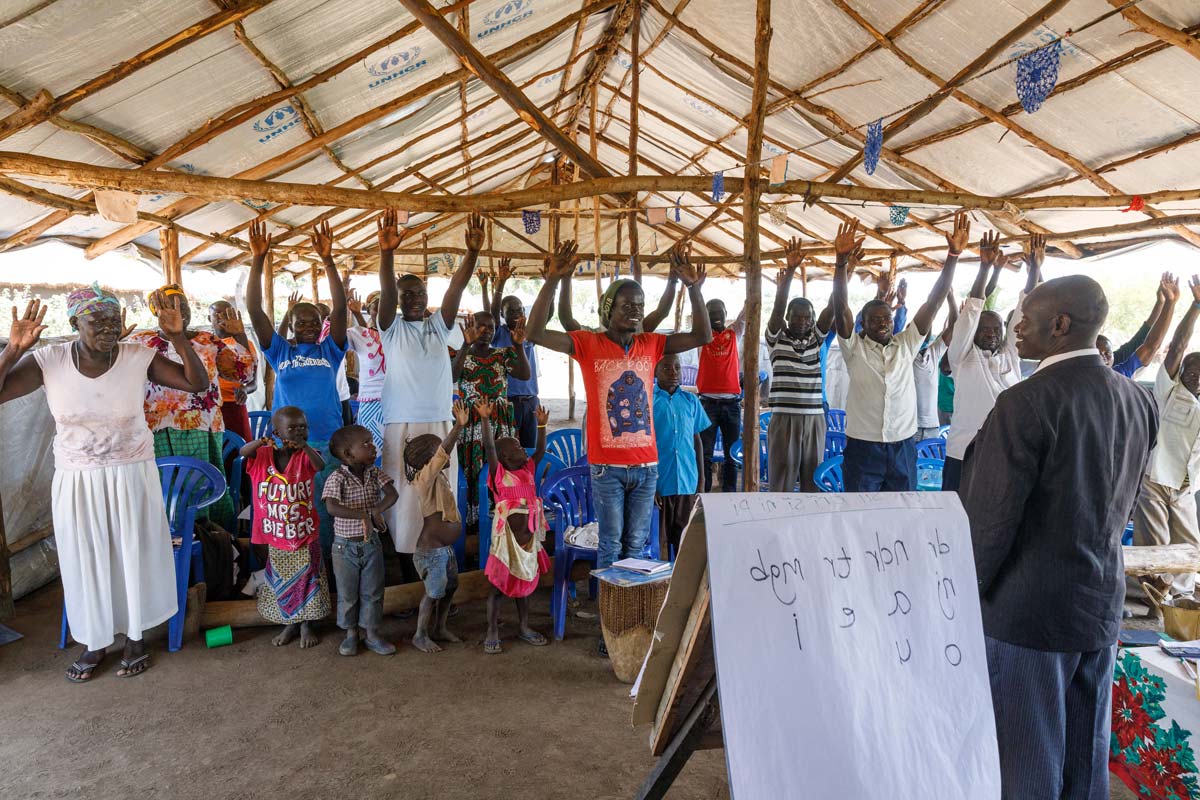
956, 240
562, 266
1139, 338
462, 276
389, 240
566, 316
191, 375
1183, 334
951, 318
847, 248
354, 306
1168, 296
322, 244
655, 318
470, 335
260, 249
504, 271
693, 278
285, 324
1034, 256
485, 298
783, 285
251, 447
989, 249
484, 408
521, 370
543, 419
19, 372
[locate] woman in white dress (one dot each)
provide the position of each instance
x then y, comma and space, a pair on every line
114, 544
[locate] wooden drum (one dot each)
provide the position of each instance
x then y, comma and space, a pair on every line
627, 617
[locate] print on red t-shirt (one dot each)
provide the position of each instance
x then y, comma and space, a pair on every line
285, 513
720, 372
620, 396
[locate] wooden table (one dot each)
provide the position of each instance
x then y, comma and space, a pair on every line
1158, 559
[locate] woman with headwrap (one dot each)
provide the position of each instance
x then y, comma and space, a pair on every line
187, 424
110, 526
227, 326
618, 377
363, 337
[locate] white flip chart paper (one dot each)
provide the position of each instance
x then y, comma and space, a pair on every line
849, 647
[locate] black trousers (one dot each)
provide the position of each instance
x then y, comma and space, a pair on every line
525, 418
674, 513
726, 416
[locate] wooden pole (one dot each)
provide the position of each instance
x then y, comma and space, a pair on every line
752, 263
635, 30
168, 248
1148, 24
593, 143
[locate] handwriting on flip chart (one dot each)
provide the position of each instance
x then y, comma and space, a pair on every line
860, 617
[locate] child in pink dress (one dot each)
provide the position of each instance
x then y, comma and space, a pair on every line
517, 559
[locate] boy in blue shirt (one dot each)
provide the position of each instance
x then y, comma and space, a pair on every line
678, 420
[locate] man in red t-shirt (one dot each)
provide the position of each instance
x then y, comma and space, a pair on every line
719, 384
618, 377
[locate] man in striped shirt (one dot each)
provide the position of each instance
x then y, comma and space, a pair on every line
796, 433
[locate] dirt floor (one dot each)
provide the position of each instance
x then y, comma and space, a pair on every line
254, 721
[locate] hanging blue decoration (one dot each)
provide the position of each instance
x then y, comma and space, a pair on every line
677, 201
532, 220
1037, 74
899, 214
873, 146
718, 187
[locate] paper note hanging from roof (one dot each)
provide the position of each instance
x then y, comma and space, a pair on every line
656, 215
849, 647
779, 165
116, 206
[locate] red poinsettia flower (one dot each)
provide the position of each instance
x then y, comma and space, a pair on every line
1130, 721
1160, 768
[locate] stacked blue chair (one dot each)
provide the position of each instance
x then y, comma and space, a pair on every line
932, 448
188, 485
460, 545
828, 476
764, 420
688, 375
566, 444
929, 474
1127, 536
235, 471
835, 443
944, 431
568, 494
737, 455
835, 420
260, 423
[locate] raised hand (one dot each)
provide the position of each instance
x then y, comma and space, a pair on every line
354, 302
170, 316
1168, 286
474, 235
883, 287
795, 257
27, 329
390, 236
231, 323
126, 328
470, 334
483, 281
547, 262
543, 415
681, 265
960, 235
1194, 285
506, 270
848, 243
293, 299
563, 262
989, 248
518, 332
484, 408
321, 239
902, 292
260, 240
1035, 251
461, 414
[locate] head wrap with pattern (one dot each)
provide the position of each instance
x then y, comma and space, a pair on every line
164, 292
89, 300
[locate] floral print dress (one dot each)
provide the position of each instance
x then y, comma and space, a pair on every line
483, 377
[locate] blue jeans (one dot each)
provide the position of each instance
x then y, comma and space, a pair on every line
624, 499
358, 570
438, 569
879, 466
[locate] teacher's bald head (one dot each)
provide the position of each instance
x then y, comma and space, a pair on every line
1061, 315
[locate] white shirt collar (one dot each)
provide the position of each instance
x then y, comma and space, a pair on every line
1087, 351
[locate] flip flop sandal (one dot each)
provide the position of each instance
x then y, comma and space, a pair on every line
85, 671
129, 666
492, 647
535, 639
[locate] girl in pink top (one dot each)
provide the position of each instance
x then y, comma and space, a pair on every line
517, 559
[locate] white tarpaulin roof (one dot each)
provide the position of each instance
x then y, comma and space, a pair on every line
1122, 93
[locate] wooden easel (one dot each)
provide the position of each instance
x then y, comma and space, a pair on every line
678, 686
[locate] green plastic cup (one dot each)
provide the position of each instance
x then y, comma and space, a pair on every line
218, 637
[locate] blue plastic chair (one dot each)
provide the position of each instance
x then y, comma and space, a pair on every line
569, 495
764, 420
835, 420
188, 485
932, 448
1127, 536
929, 474
548, 466
567, 444
260, 423
235, 471
944, 431
688, 375
835, 443
828, 475
737, 456
460, 545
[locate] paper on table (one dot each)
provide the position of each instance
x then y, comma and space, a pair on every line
849, 646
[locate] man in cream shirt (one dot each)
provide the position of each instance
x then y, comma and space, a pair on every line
881, 406
1166, 505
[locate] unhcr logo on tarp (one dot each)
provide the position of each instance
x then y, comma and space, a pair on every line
276, 122
699, 105
395, 63
505, 16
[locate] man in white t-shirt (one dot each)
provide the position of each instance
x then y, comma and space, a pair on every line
925, 376
363, 337
418, 387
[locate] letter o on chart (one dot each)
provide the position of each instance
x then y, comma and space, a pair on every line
953, 655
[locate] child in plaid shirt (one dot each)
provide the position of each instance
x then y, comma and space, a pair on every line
356, 495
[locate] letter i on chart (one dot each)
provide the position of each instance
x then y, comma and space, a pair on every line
796, 623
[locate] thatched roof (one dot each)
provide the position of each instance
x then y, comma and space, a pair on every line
363, 95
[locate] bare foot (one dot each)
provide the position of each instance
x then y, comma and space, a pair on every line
444, 635
307, 637
426, 645
287, 635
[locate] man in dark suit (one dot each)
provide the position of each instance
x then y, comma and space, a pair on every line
1049, 484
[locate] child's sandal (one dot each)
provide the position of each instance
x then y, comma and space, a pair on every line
492, 647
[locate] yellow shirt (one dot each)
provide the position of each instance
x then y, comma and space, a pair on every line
436, 494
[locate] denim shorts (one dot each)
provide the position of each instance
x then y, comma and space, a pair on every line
437, 569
